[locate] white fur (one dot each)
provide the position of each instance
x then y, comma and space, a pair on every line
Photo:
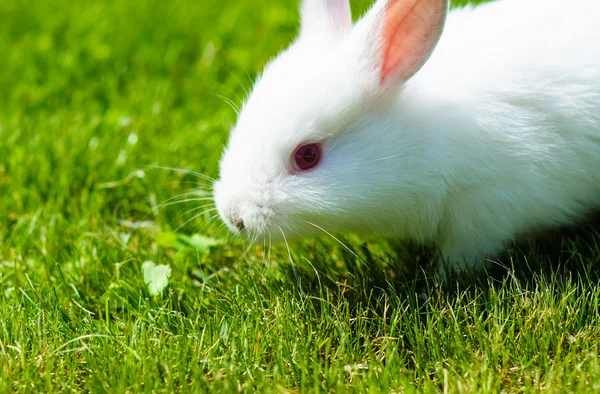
498, 134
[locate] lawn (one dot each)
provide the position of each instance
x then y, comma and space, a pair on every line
109, 110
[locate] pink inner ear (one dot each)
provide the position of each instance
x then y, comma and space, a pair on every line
411, 30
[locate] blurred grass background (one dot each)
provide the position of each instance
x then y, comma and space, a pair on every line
94, 96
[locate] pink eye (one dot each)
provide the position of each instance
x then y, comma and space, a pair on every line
306, 157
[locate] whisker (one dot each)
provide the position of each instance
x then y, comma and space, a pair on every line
222, 228
251, 243
227, 101
234, 75
249, 79
187, 209
166, 204
183, 171
210, 209
194, 192
183, 183
387, 158
266, 254
209, 222
270, 248
338, 241
243, 255
232, 92
172, 201
265, 249
190, 220
287, 245
314, 269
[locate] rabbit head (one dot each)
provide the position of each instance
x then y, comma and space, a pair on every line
321, 145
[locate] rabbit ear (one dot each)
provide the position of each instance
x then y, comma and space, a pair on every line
400, 36
322, 18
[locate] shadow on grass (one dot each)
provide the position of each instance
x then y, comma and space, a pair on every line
363, 275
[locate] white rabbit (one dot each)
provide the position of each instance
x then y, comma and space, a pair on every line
366, 128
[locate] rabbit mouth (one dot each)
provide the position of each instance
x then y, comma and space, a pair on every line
246, 219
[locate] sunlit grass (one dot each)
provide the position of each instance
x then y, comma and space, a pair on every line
97, 100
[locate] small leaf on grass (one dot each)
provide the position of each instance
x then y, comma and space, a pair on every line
203, 243
156, 277
182, 242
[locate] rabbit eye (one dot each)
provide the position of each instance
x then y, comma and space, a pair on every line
306, 157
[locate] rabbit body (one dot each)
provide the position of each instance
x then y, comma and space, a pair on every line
514, 90
497, 133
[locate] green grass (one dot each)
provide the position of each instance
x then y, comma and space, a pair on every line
93, 97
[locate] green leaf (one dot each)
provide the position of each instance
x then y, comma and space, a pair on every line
156, 277
202, 243
182, 241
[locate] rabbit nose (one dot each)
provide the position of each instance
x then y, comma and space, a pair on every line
230, 208
234, 217
239, 224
